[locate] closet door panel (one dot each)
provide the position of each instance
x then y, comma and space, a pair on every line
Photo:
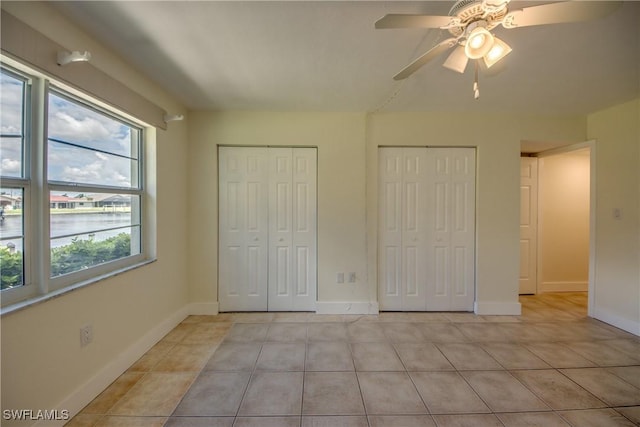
463, 179
280, 229
304, 216
414, 205
243, 229
439, 218
452, 238
390, 269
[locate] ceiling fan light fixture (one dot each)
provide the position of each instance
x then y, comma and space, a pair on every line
457, 60
498, 51
479, 41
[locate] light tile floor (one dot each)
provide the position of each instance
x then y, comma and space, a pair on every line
552, 366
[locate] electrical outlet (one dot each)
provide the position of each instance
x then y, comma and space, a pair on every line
617, 213
352, 277
86, 335
340, 278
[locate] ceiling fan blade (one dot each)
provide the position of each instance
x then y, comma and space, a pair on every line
457, 61
557, 13
428, 56
412, 21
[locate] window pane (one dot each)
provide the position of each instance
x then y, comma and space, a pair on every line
82, 251
76, 123
11, 156
90, 147
74, 214
11, 238
90, 229
69, 163
11, 125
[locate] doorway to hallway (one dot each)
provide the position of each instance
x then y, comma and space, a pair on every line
556, 220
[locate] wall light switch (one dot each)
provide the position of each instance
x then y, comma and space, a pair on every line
340, 278
352, 277
617, 213
86, 335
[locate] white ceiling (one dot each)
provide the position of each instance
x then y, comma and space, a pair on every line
327, 56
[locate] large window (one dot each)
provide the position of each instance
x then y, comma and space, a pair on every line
94, 186
14, 107
72, 194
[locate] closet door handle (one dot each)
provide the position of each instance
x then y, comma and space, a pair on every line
255, 239
281, 239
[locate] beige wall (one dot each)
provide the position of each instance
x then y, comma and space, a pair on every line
340, 138
347, 172
43, 365
563, 207
617, 282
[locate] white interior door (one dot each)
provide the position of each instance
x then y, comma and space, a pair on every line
451, 242
528, 224
426, 228
267, 231
414, 228
390, 212
243, 229
292, 229
403, 233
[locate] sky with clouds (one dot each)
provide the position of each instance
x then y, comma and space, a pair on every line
76, 124
10, 124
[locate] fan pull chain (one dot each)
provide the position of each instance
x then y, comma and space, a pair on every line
476, 87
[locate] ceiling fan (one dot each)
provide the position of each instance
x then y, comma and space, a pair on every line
470, 23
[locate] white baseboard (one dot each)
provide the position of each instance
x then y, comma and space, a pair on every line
101, 380
632, 326
497, 308
203, 308
564, 286
351, 307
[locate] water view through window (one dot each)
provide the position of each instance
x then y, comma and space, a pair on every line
94, 174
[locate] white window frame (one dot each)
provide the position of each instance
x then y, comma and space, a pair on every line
38, 285
23, 183
101, 269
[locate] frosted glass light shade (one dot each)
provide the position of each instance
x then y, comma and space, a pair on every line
479, 42
498, 51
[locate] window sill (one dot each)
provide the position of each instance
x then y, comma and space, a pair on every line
21, 305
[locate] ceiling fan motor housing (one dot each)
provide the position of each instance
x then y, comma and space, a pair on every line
469, 11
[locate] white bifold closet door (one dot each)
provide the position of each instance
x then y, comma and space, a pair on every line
426, 250
267, 229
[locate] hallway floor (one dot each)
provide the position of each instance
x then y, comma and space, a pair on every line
552, 366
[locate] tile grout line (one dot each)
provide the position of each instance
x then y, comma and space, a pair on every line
355, 372
253, 370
